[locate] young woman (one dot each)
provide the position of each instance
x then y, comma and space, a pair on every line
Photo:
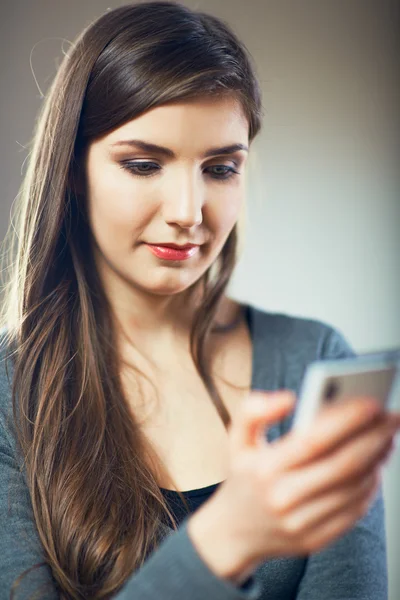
137, 458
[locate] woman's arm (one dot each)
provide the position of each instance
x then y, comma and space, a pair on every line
355, 566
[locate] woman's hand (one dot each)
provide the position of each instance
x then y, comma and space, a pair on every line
295, 495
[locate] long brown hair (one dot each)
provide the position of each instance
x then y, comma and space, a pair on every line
96, 503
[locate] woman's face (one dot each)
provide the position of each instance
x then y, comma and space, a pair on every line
138, 196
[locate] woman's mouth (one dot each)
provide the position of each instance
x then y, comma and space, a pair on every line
173, 253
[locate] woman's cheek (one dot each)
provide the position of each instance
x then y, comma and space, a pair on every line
125, 209
226, 213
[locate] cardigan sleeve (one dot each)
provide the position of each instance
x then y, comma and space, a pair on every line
354, 567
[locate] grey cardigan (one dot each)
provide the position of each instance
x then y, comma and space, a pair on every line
353, 567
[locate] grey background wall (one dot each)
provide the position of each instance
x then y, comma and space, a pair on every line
323, 206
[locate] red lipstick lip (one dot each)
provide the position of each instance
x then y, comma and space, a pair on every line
166, 252
176, 246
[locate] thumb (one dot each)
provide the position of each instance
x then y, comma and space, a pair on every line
259, 410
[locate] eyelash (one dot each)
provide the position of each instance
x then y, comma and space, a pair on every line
129, 166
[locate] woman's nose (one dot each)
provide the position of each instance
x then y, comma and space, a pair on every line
184, 204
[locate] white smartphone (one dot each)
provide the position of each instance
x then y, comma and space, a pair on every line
331, 381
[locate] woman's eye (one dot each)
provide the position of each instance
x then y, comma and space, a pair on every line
226, 174
148, 169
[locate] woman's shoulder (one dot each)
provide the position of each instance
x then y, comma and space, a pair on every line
284, 345
6, 374
5, 355
4, 351
299, 335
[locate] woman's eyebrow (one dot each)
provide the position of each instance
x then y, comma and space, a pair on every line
149, 147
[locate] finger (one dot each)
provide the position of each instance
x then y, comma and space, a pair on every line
332, 427
311, 515
353, 459
336, 525
350, 463
256, 413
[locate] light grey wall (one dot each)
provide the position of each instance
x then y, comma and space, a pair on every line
323, 233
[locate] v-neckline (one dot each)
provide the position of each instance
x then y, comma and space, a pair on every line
249, 316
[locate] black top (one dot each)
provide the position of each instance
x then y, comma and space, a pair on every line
195, 497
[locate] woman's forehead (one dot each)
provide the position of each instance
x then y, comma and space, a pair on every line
204, 124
